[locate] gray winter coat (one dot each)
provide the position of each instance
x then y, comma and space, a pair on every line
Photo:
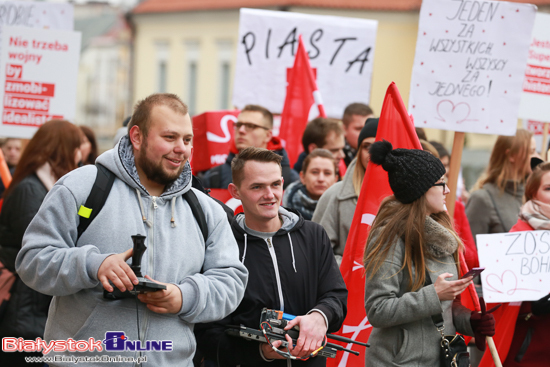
485, 218
335, 210
403, 332
209, 275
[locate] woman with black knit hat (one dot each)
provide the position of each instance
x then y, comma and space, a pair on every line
411, 268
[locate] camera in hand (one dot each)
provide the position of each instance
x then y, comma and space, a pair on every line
144, 285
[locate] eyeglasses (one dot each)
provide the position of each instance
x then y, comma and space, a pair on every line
442, 184
249, 126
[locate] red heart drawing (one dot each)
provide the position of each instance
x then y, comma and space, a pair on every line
449, 112
506, 283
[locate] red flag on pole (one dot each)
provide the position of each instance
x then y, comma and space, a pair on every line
396, 127
302, 99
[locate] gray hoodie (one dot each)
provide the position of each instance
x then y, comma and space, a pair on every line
210, 276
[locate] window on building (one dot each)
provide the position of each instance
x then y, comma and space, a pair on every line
224, 84
162, 67
191, 83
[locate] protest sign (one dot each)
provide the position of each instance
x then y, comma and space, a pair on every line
470, 64
213, 132
38, 71
517, 265
535, 100
36, 15
341, 50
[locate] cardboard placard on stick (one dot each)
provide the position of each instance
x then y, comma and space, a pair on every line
470, 64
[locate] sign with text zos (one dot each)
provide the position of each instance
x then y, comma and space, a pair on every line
517, 265
38, 74
535, 100
470, 64
340, 49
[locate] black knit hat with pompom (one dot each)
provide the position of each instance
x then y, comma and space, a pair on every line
411, 172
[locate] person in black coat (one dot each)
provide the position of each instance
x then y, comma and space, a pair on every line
52, 152
291, 269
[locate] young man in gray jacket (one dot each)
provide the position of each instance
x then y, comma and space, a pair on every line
204, 280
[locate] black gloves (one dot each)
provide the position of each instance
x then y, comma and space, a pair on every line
541, 307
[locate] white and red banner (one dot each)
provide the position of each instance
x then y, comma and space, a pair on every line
38, 73
470, 65
340, 49
516, 265
213, 133
535, 100
303, 103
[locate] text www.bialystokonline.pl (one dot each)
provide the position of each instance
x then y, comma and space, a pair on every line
86, 359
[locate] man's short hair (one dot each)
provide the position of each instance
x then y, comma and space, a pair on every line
317, 130
268, 116
252, 154
142, 110
360, 109
319, 153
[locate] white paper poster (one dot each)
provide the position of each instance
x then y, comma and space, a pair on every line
36, 15
517, 265
38, 74
470, 64
535, 100
341, 52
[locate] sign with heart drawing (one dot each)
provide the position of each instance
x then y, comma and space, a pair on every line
470, 64
517, 265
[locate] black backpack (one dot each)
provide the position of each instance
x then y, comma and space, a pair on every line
102, 187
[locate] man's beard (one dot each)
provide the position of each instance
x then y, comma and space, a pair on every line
155, 172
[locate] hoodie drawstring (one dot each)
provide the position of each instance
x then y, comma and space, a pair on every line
143, 217
292, 251
172, 221
245, 245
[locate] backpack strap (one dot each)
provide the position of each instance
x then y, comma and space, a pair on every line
97, 198
198, 213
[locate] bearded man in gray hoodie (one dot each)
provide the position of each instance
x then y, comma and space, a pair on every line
204, 279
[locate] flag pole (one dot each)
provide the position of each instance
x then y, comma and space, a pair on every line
4, 171
454, 170
494, 352
544, 149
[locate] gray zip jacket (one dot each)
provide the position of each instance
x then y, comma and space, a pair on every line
210, 276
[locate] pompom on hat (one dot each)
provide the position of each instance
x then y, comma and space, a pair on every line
411, 172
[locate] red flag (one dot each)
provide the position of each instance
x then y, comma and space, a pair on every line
396, 127
301, 96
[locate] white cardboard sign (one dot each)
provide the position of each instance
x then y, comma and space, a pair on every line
517, 265
469, 65
535, 100
341, 52
38, 74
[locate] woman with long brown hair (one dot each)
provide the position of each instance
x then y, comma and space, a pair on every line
411, 265
494, 204
52, 152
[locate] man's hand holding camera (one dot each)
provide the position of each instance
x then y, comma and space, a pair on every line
313, 329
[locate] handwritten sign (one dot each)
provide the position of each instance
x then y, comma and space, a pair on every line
469, 65
38, 74
340, 49
517, 265
535, 100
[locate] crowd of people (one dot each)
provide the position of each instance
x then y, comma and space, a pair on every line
283, 252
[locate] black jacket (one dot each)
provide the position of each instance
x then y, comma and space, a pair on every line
27, 309
316, 284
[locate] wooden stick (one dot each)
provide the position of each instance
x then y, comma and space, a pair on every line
4, 171
494, 352
544, 150
454, 170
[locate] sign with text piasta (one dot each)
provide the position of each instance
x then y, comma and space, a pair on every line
341, 50
38, 74
470, 64
517, 265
